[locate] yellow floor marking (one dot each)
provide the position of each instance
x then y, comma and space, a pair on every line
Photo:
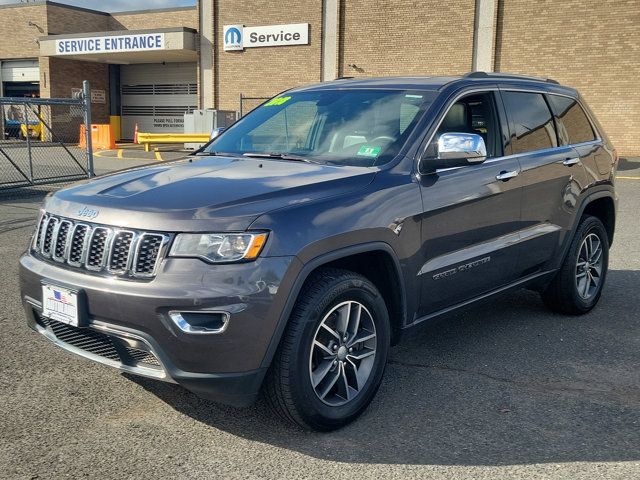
120, 153
627, 178
158, 156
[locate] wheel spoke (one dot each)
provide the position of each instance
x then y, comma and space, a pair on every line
347, 388
321, 372
354, 323
587, 284
324, 348
360, 337
596, 256
362, 354
581, 274
342, 324
330, 385
331, 331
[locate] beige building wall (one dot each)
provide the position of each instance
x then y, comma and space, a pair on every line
405, 37
263, 72
63, 19
19, 39
592, 45
177, 17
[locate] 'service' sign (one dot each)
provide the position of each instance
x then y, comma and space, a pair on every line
110, 44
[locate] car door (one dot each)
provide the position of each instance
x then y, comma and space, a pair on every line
470, 214
552, 177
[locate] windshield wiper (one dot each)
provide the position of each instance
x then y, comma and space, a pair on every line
215, 154
280, 156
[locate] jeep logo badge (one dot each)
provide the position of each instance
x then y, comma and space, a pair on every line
88, 213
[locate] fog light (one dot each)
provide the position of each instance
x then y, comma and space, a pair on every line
200, 322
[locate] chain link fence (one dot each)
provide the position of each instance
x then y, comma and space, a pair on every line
44, 141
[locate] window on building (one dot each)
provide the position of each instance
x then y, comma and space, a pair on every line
531, 120
573, 124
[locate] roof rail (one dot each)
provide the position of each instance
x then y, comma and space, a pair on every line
479, 74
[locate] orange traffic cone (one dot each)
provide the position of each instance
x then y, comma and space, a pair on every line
135, 134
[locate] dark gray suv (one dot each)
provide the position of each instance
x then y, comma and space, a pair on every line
286, 256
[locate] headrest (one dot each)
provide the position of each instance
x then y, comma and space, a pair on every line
456, 118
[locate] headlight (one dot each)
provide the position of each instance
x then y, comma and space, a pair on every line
218, 247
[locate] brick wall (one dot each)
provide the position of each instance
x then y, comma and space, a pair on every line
265, 71
63, 20
59, 76
179, 17
19, 39
405, 37
592, 45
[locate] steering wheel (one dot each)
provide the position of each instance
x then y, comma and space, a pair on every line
382, 138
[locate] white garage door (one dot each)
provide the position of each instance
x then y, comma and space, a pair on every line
20, 71
156, 96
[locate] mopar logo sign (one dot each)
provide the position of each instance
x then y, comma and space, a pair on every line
233, 37
239, 37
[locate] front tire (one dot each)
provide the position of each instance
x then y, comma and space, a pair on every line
577, 286
333, 353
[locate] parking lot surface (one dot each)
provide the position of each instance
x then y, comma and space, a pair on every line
507, 390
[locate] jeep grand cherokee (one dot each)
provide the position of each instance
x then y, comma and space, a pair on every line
287, 255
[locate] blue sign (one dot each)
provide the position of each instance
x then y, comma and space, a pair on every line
232, 36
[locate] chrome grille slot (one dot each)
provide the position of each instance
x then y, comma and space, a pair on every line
38, 235
147, 254
62, 237
47, 240
99, 248
78, 240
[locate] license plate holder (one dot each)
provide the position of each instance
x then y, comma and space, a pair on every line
62, 304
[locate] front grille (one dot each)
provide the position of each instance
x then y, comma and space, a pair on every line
99, 248
101, 344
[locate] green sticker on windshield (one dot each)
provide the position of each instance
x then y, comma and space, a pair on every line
366, 151
277, 101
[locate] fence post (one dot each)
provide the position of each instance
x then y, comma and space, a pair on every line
240, 105
86, 100
25, 116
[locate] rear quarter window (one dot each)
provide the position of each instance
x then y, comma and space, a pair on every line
531, 120
573, 124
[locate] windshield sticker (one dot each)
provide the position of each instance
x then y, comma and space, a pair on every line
411, 95
367, 151
277, 101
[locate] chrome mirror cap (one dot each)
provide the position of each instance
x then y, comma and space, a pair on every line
459, 146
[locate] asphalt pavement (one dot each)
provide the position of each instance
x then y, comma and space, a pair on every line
506, 391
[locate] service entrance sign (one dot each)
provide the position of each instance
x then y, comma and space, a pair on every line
239, 37
110, 44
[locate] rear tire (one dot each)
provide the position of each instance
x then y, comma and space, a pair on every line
577, 286
332, 356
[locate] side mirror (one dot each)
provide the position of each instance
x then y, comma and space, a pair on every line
216, 132
458, 150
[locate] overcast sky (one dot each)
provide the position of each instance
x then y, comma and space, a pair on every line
120, 5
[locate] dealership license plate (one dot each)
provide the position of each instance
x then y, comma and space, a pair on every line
60, 304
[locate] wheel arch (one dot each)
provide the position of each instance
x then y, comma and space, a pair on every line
352, 258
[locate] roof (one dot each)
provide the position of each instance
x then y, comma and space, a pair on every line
438, 83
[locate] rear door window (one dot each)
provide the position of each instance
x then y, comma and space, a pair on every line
532, 124
573, 124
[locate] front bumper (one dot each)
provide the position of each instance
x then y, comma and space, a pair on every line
128, 324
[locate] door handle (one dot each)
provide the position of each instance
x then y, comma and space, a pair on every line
571, 161
504, 176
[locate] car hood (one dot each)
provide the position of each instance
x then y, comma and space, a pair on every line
203, 193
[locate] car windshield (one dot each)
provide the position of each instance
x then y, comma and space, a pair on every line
339, 127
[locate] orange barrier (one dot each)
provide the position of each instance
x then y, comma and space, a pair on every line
102, 137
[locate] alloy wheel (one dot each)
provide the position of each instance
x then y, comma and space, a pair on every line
343, 353
589, 266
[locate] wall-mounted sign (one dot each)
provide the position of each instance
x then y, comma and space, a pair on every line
239, 37
110, 44
98, 96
